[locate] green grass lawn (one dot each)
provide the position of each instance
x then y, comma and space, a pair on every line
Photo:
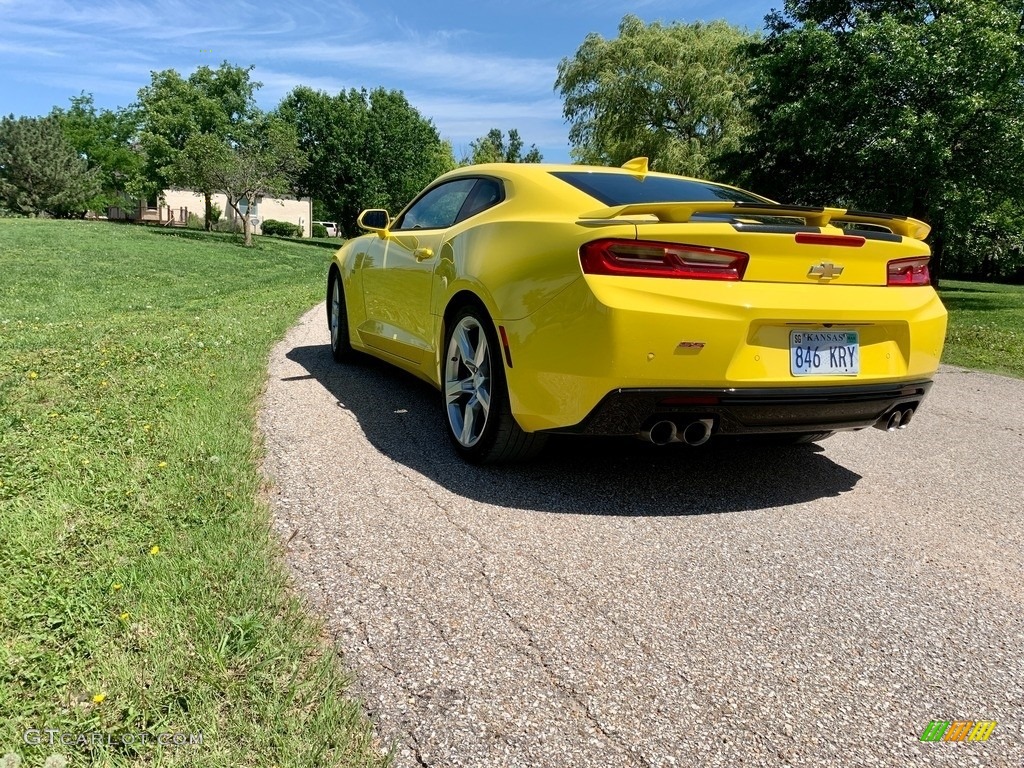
140, 586
986, 326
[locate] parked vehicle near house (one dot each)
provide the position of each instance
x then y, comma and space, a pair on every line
331, 227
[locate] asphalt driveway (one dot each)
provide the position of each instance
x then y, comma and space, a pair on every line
615, 604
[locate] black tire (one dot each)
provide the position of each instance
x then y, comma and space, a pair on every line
337, 318
498, 438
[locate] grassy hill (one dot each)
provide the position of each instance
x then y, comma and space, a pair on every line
140, 592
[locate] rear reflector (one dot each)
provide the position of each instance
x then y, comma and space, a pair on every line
504, 345
909, 272
811, 238
639, 258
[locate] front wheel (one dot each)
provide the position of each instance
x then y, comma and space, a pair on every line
337, 318
479, 416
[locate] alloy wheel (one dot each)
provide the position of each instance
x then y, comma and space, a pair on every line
467, 381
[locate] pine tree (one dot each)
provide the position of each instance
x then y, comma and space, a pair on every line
40, 172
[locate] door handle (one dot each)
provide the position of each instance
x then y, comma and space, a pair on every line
422, 254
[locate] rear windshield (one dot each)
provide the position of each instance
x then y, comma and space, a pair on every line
623, 189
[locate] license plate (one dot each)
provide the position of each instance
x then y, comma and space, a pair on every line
824, 353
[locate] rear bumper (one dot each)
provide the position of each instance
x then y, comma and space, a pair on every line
751, 411
622, 334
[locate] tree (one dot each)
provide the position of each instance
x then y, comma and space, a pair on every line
493, 149
106, 141
676, 93
331, 130
39, 170
909, 106
404, 149
172, 110
366, 149
262, 158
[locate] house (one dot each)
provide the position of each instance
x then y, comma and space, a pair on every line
144, 212
296, 211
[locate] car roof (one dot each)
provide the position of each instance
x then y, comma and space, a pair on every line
542, 170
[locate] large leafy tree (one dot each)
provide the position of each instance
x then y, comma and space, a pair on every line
404, 149
910, 106
40, 172
493, 148
261, 158
105, 139
676, 93
366, 149
331, 130
173, 109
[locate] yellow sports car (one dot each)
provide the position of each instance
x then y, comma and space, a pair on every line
616, 301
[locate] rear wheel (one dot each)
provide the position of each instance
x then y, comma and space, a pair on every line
337, 318
477, 410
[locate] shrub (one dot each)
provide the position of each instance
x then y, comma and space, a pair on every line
227, 225
197, 220
319, 230
281, 228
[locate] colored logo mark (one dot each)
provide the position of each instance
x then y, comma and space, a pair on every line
958, 730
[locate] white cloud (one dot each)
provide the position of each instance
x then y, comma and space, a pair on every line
430, 63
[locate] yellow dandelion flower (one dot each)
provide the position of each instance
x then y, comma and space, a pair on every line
155, 550
98, 698
33, 375
162, 464
125, 616
116, 587
103, 383
146, 427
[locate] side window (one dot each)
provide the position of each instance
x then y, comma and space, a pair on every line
485, 194
438, 208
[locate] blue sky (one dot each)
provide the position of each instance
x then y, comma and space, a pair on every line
468, 66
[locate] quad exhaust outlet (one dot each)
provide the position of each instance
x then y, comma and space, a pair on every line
665, 431
895, 419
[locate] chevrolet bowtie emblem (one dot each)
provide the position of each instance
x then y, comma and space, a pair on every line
826, 271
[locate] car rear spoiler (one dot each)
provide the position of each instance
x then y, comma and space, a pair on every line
678, 213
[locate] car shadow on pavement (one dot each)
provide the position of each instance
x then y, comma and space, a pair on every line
402, 418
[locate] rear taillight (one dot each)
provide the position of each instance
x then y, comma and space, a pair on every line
638, 258
909, 272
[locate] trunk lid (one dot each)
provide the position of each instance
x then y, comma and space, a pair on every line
786, 244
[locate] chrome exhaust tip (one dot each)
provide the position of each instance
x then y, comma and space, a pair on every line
905, 419
660, 433
890, 422
697, 432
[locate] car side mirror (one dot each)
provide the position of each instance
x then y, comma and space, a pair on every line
374, 220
